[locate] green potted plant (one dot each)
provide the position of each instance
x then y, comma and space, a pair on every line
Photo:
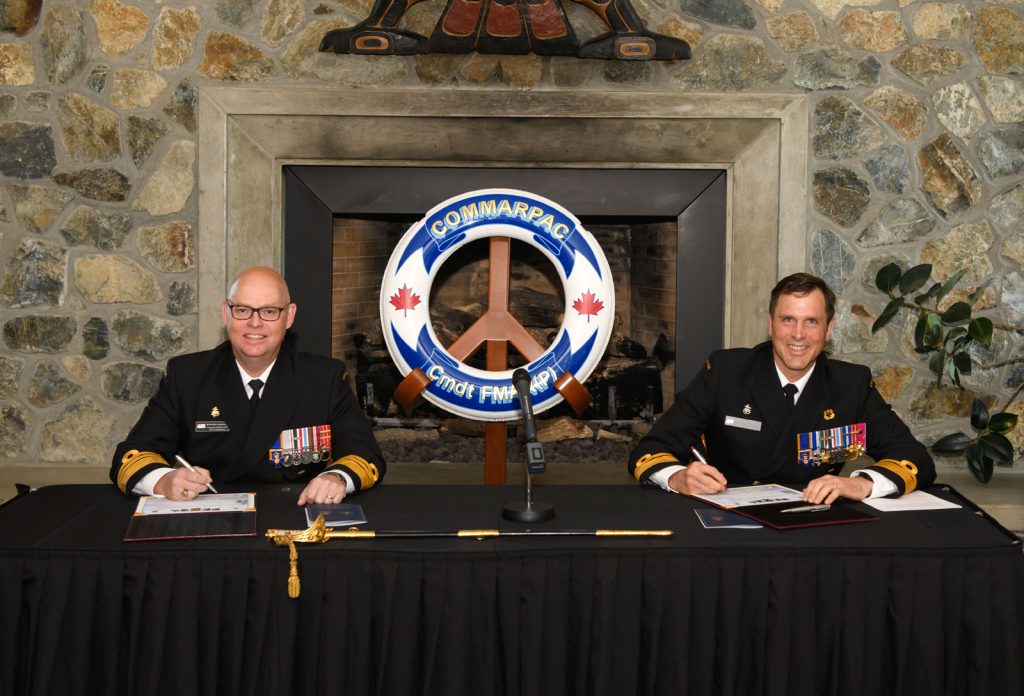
947, 335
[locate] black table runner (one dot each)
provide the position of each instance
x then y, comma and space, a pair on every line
916, 603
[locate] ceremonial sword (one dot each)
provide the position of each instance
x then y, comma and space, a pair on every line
318, 533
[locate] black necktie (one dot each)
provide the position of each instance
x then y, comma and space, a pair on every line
790, 391
254, 400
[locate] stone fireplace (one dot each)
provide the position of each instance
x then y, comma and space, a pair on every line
276, 162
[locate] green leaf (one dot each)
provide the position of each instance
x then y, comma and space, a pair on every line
979, 415
920, 330
955, 334
980, 329
1001, 422
957, 313
973, 297
978, 463
986, 466
887, 314
888, 277
952, 444
962, 362
914, 278
997, 447
948, 285
954, 374
921, 299
937, 363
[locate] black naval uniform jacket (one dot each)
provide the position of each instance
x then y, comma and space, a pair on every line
742, 383
302, 390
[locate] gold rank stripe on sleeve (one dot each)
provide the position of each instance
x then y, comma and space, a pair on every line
367, 472
648, 460
132, 462
903, 468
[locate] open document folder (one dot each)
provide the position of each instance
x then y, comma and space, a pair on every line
766, 504
209, 515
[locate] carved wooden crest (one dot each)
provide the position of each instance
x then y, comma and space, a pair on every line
507, 27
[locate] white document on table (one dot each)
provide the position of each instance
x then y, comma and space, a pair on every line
208, 502
742, 496
915, 500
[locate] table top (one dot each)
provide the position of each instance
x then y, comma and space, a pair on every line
93, 518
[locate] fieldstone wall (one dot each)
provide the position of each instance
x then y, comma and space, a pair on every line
917, 141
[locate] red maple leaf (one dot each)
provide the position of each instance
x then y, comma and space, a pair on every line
405, 299
588, 304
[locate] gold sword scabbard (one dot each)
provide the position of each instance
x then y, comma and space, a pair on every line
318, 533
478, 533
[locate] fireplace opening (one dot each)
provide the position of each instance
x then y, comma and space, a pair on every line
661, 230
628, 384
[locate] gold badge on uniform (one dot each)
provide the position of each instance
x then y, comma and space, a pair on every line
829, 414
214, 412
746, 409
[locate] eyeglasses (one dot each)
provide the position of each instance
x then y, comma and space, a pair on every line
243, 312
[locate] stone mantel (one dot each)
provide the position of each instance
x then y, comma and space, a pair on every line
247, 135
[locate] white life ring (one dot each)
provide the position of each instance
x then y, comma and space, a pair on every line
586, 281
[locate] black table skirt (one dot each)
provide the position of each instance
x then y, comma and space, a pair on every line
858, 609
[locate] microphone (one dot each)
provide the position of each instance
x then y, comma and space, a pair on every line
528, 510
521, 381
535, 461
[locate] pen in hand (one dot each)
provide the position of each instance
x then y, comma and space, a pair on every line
181, 460
698, 455
718, 482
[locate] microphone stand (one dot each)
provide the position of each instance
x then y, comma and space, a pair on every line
528, 510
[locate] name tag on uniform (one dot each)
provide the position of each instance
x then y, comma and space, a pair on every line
744, 423
212, 427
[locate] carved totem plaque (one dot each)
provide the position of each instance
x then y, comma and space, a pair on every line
507, 27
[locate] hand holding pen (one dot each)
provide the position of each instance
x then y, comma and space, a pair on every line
698, 477
184, 483
184, 463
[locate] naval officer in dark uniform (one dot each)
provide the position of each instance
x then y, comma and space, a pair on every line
783, 412
224, 409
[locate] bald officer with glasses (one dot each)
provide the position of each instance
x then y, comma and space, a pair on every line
231, 411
